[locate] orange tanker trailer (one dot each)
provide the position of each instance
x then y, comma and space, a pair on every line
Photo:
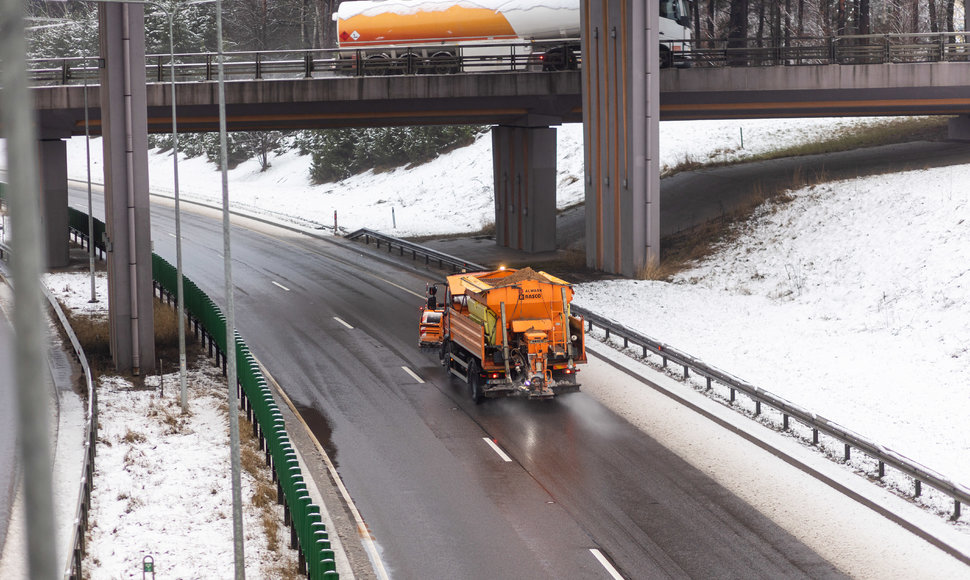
506, 333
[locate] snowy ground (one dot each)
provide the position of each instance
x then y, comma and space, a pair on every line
452, 194
163, 488
849, 301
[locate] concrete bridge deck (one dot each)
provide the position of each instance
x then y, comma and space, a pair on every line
532, 99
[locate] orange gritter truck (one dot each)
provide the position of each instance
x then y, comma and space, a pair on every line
507, 332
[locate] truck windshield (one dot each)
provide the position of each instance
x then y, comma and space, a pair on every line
672, 9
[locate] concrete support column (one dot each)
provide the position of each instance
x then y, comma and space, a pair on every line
524, 169
125, 141
53, 162
959, 128
621, 104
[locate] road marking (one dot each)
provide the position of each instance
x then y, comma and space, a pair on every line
398, 286
280, 285
410, 372
606, 564
342, 322
497, 449
367, 539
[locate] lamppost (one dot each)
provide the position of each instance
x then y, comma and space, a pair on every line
87, 150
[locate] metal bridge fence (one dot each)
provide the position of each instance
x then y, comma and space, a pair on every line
760, 398
841, 50
321, 63
308, 534
523, 56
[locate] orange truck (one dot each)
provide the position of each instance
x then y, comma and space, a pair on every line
449, 36
507, 332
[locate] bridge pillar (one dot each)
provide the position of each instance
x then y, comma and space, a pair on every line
524, 170
621, 104
53, 162
959, 128
124, 120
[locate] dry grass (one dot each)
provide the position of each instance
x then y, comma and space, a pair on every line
92, 332
264, 496
166, 326
133, 437
846, 139
680, 251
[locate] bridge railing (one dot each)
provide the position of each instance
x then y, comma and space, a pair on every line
275, 64
920, 474
560, 54
817, 50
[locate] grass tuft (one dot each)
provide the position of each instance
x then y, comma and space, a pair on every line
846, 139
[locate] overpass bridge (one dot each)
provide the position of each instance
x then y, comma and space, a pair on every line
522, 101
520, 98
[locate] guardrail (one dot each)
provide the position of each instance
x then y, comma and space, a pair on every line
560, 54
920, 474
72, 570
308, 533
404, 246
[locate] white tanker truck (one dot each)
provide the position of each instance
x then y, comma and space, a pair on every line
447, 36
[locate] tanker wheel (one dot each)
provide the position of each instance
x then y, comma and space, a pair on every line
475, 382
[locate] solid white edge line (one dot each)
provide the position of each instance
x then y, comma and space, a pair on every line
338, 319
497, 449
280, 285
410, 372
606, 564
363, 532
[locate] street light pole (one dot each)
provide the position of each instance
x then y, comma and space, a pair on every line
87, 149
237, 527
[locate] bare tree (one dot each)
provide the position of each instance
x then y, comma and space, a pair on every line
327, 29
864, 17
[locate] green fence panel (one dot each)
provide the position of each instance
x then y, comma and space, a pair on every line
311, 532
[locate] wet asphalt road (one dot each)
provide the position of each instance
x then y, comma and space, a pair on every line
438, 500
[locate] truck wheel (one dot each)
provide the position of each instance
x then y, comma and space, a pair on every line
443, 352
666, 57
475, 382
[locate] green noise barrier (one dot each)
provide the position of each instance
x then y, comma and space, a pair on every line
308, 534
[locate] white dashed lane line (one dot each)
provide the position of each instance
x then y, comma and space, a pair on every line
413, 374
275, 283
606, 564
338, 319
497, 449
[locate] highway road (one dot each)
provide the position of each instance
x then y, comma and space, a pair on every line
336, 328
